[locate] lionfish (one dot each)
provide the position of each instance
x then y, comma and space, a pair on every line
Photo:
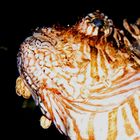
85, 78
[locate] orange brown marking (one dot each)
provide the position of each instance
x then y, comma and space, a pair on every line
46, 105
121, 85
112, 125
53, 90
90, 128
62, 114
76, 130
114, 93
75, 127
128, 128
125, 76
137, 138
134, 111
103, 65
93, 62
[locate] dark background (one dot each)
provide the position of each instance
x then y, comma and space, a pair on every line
17, 21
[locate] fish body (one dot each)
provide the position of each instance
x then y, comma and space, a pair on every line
85, 78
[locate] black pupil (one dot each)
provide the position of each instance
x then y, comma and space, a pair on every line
98, 22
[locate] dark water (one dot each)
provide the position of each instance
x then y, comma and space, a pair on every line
17, 21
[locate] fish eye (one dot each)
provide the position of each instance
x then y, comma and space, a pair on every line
98, 22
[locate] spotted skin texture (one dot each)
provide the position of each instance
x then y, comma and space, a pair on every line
85, 78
